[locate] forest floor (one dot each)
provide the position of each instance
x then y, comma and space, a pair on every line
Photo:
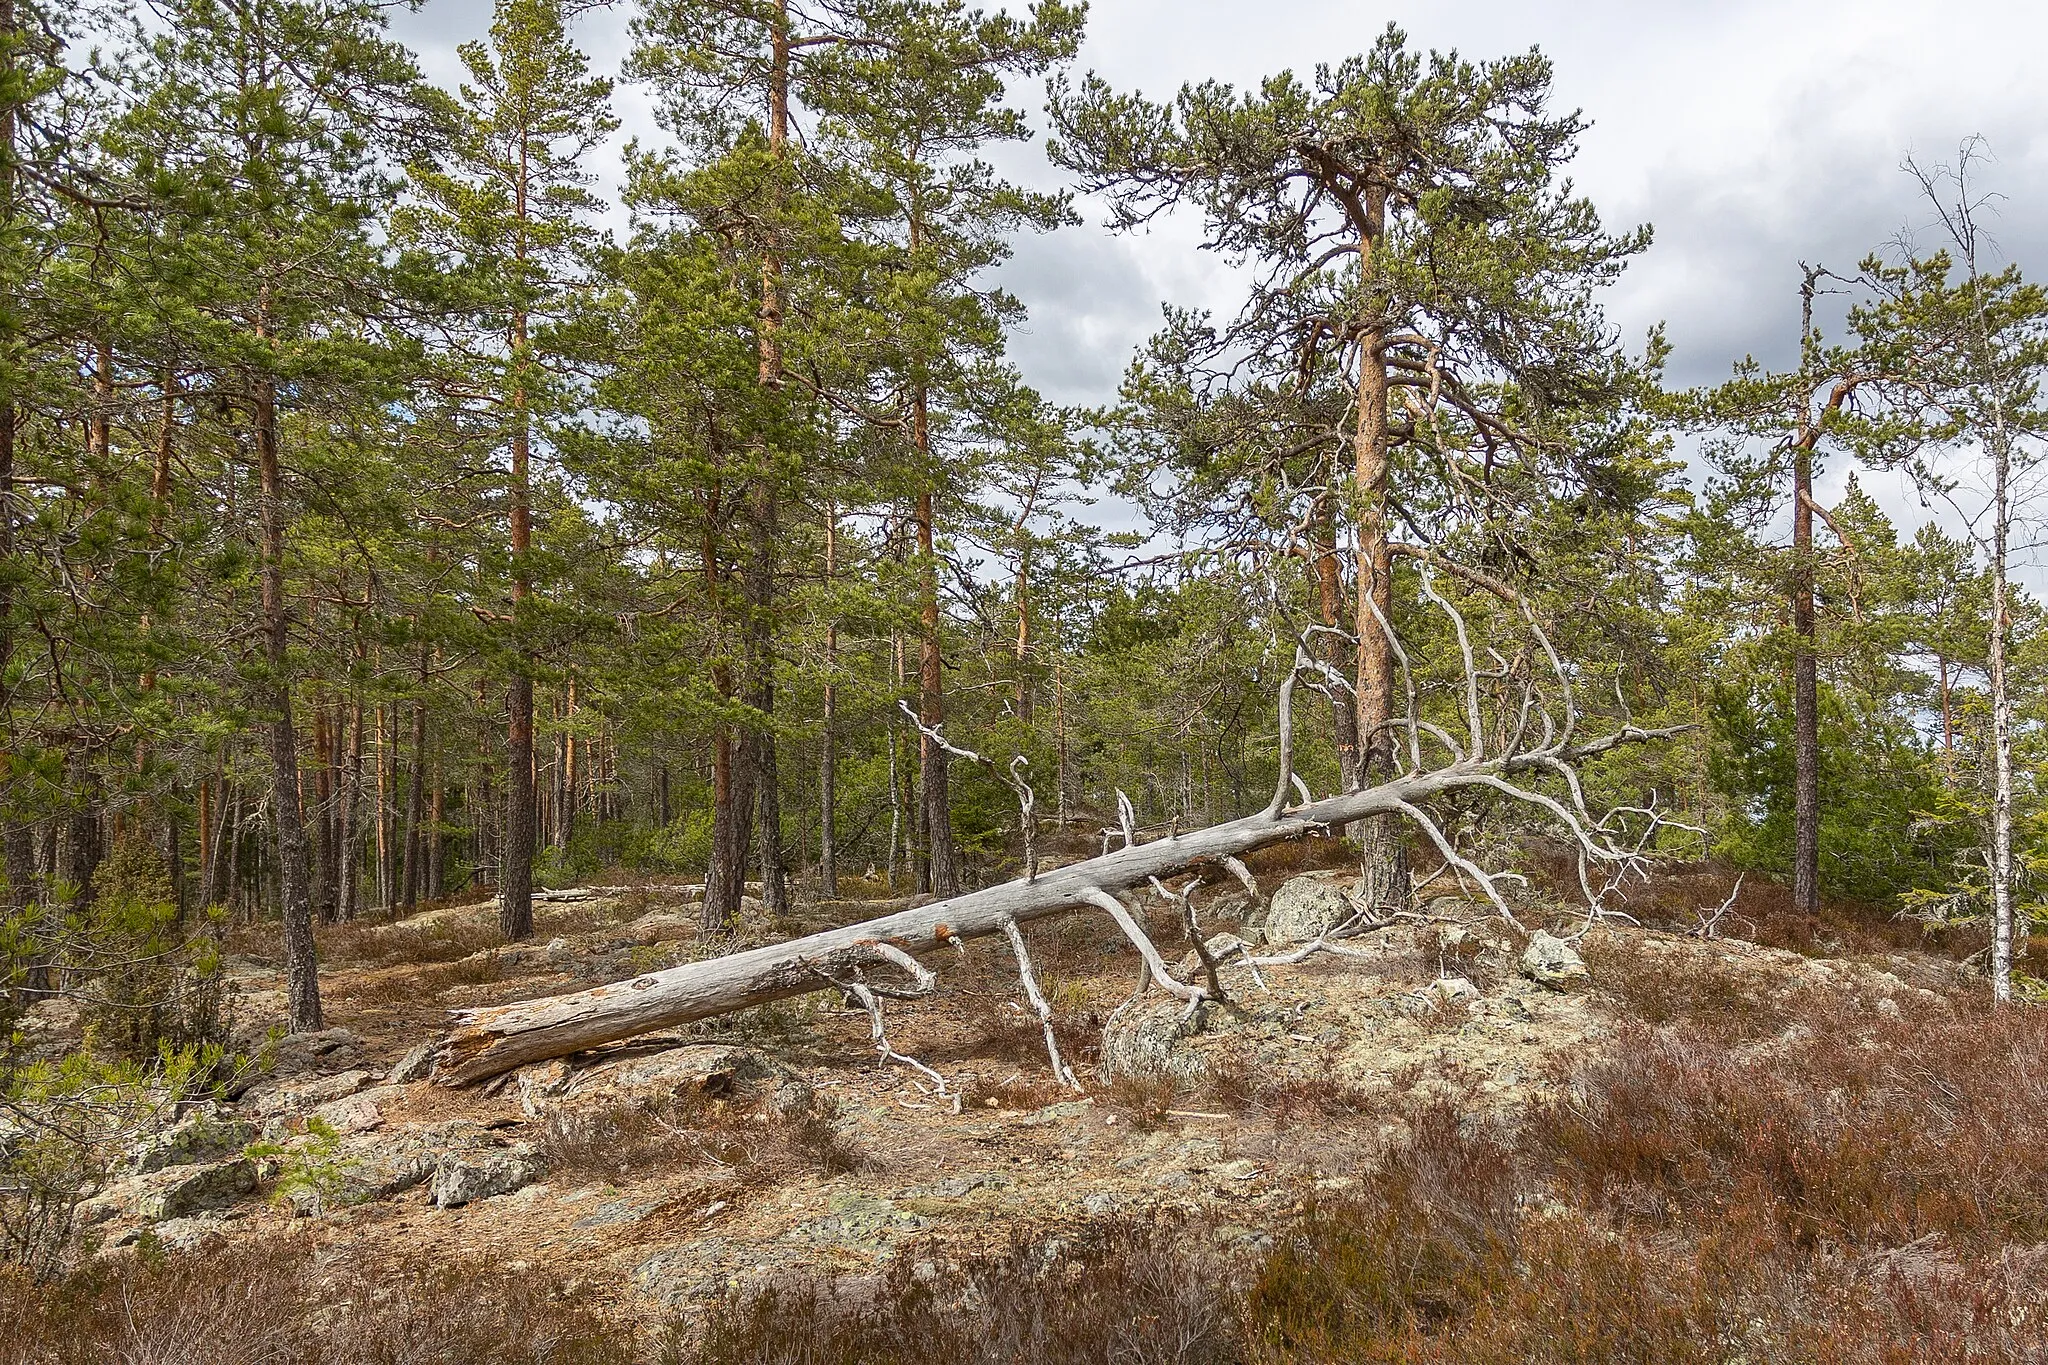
659, 1176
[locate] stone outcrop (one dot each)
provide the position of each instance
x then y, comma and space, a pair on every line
1549, 961
1307, 907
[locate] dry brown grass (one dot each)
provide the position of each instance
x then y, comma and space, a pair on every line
1141, 1101
866, 888
445, 938
1013, 1040
1032, 1090
1858, 1129
622, 1141
276, 1303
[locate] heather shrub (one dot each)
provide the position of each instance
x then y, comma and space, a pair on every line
1860, 1128
278, 1303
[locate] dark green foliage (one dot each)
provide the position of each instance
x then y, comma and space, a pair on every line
1888, 823
147, 983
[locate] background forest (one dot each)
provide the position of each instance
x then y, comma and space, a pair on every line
349, 473
379, 527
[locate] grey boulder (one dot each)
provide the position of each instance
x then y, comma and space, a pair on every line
1550, 961
1307, 907
465, 1177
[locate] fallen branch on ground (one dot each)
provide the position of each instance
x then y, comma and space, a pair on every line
1533, 736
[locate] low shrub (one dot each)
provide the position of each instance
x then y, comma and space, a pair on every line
1126, 1293
1861, 1128
1717, 999
276, 1303
1234, 1085
1435, 1228
1141, 1101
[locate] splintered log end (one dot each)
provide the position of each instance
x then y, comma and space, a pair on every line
464, 1057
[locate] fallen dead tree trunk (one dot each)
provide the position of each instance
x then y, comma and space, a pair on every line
489, 1041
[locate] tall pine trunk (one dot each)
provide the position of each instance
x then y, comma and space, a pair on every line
760, 586
323, 820
1805, 696
415, 801
437, 843
828, 733
732, 780
1805, 668
942, 865
1382, 846
515, 872
760, 589
301, 967
348, 837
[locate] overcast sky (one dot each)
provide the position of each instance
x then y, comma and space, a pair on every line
1751, 136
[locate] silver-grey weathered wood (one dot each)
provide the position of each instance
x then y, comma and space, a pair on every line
489, 1041
494, 1039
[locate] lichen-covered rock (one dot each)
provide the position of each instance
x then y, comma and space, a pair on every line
214, 1185
1307, 907
1140, 1040
792, 1098
303, 1097
334, 1049
713, 1068
415, 1065
357, 1113
1455, 990
291, 1058
465, 1177
859, 1222
540, 1083
379, 1164
205, 1132
680, 1274
657, 926
1550, 961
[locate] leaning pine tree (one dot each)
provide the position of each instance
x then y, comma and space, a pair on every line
1512, 733
1413, 248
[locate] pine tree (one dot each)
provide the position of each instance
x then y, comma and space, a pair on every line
1413, 244
508, 199
264, 122
921, 108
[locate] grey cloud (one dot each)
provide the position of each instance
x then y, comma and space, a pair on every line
1090, 303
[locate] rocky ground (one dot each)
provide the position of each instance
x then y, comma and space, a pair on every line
662, 1172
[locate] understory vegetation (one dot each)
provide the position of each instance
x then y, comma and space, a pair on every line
1873, 1188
